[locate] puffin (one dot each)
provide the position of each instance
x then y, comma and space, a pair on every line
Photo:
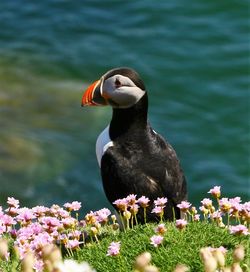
133, 158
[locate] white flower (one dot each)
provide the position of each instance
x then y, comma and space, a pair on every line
73, 266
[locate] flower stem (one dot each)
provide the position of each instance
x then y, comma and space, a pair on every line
145, 215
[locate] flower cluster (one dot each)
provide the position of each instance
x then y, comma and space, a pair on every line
33, 229
226, 210
51, 257
128, 208
231, 208
214, 259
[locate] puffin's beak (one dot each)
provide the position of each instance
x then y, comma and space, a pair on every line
92, 96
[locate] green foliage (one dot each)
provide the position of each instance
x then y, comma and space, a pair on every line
179, 247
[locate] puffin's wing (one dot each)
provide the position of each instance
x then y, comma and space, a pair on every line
172, 179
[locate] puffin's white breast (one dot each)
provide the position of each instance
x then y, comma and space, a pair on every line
102, 144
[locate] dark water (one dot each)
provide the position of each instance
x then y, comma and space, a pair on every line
193, 57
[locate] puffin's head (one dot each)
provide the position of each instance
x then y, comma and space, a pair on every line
120, 88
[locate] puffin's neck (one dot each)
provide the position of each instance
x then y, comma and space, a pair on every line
133, 118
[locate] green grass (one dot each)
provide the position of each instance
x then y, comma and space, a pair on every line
178, 247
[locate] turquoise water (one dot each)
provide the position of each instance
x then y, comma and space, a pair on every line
194, 60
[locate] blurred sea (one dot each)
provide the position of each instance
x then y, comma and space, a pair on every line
194, 59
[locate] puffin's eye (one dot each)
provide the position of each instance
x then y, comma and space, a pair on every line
117, 83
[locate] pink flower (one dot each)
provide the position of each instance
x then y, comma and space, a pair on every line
61, 213
74, 206
131, 199
215, 191
75, 234
35, 228
160, 201
207, 203
25, 215
73, 244
184, 206
238, 230
29, 232
50, 223
180, 223
39, 265
196, 217
143, 201
245, 211
160, 229
216, 215
7, 220
121, 204
40, 211
156, 240
114, 249
90, 218
236, 207
102, 215
246, 206
225, 205
12, 202
54, 210
69, 222
40, 240
203, 210
235, 200
158, 210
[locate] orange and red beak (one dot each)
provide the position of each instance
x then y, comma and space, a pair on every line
93, 96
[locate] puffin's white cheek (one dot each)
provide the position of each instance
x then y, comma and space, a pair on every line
123, 100
127, 96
